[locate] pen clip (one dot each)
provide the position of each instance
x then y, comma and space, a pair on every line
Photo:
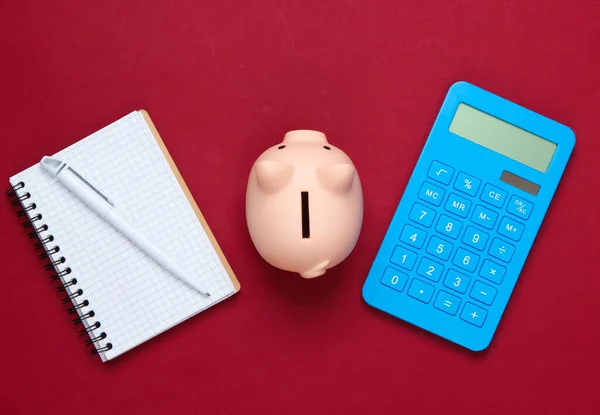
91, 186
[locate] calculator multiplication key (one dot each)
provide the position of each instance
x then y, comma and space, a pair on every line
492, 271
394, 279
483, 293
466, 260
448, 226
404, 258
422, 215
457, 281
440, 172
421, 290
448, 303
458, 205
483, 216
439, 248
475, 238
430, 269
431, 193
494, 196
473, 314
519, 207
511, 229
413, 236
501, 250
467, 184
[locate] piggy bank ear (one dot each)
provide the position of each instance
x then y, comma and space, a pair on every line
273, 175
337, 178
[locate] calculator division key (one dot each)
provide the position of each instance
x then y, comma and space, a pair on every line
404, 258
439, 248
422, 215
394, 279
519, 207
473, 314
492, 271
483, 293
494, 196
484, 217
475, 238
421, 290
413, 236
511, 228
431, 193
448, 303
466, 260
467, 184
501, 250
440, 172
430, 269
448, 226
457, 281
458, 205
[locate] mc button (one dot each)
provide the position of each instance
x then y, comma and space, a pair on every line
431, 193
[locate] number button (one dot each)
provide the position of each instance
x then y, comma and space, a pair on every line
439, 248
447, 303
493, 195
501, 250
403, 257
484, 217
519, 207
511, 229
421, 214
457, 281
431, 194
458, 205
475, 238
467, 184
413, 236
430, 269
394, 279
473, 314
440, 172
421, 291
492, 271
484, 293
448, 226
466, 260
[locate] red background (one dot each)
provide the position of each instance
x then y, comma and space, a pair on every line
223, 80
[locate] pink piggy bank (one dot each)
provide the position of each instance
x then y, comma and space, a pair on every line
304, 204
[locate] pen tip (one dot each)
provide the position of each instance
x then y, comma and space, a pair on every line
207, 294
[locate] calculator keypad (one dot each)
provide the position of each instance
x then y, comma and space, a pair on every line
456, 243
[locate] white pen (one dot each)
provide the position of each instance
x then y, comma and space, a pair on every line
73, 181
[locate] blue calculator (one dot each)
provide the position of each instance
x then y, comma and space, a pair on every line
469, 215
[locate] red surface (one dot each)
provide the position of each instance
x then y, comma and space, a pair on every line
225, 79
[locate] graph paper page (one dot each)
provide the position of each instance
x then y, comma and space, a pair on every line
132, 296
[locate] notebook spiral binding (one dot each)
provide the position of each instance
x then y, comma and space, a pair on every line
18, 195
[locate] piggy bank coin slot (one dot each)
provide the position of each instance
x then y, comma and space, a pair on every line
305, 216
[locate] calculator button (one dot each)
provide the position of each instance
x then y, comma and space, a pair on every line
484, 293
473, 314
502, 250
448, 226
475, 238
394, 279
447, 302
493, 195
466, 260
511, 229
484, 217
467, 184
430, 269
492, 271
519, 207
457, 281
421, 291
440, 172
431, 193
439, 248
413, 236
404, 257
458, 205
422, 215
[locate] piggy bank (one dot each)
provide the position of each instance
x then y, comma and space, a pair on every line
304, 204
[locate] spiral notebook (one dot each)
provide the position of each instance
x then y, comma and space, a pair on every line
119, 295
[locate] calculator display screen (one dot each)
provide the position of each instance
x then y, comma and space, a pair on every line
502, 137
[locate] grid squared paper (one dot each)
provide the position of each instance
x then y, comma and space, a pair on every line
132, 297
